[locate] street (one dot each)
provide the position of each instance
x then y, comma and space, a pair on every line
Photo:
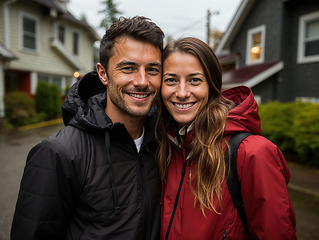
14, 148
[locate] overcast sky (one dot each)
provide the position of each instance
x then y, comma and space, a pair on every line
177, 18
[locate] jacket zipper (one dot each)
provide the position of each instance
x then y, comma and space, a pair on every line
224, 234
178, 191
146, 209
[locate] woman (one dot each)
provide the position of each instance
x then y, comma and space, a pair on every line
195, 121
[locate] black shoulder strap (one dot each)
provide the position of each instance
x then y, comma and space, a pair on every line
233, 180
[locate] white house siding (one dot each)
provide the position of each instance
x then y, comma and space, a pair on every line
47, 60
1, 22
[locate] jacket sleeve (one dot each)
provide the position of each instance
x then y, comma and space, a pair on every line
264, 176
46, 196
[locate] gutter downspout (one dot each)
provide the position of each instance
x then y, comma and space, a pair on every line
6, 23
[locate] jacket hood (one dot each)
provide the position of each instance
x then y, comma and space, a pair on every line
84, 104
244, 117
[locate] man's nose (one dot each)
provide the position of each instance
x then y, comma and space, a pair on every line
140, 79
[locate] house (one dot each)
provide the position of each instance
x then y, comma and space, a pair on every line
41, 41
272, 46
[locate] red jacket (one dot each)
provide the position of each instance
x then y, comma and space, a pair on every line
263, 174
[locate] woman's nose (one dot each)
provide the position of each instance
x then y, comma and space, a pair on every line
182, 91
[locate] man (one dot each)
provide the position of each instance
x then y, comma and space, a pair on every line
97, 178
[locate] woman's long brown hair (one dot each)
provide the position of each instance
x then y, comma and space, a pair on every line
208, 142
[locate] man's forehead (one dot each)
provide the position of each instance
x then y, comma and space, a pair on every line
135, 51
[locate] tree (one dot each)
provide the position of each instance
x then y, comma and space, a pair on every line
110, 12
216, 36
83, 18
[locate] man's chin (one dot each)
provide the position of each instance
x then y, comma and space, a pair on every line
139, 111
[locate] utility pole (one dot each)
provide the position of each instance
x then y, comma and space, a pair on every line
208, 27
209, 14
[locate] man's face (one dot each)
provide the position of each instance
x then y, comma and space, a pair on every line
133, 79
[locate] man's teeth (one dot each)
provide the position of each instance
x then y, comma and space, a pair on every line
183, 106
138, 95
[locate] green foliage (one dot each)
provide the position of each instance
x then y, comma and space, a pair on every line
43, 98
18, 107
276, 123
66, 90
48, 99
56, 100
110, 12
293, 127
306, 134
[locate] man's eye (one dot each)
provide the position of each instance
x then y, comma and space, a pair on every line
153, 70
127, 69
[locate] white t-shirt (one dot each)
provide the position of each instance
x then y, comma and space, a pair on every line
139, 141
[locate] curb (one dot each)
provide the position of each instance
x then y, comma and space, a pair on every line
303, 190
41, 124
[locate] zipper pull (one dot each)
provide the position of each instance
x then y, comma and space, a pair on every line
224, 234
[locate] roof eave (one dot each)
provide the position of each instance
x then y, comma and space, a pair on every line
235, 25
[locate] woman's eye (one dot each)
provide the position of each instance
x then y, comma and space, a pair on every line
170, 81
196, 80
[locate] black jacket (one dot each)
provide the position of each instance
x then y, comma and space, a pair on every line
88, 181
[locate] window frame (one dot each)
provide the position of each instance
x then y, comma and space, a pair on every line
303, 19
260, 29
36, 35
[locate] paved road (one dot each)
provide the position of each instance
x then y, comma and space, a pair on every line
15, 147
13, 152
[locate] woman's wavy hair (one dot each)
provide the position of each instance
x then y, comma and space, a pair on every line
208, 144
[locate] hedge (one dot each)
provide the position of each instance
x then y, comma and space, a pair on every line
48, 99
293, 127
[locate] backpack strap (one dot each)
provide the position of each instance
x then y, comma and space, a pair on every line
233, 180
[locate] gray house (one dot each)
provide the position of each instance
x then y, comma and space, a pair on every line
272, 46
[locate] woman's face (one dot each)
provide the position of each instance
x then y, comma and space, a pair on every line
184, 87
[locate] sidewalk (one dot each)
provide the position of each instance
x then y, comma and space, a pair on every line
304, 179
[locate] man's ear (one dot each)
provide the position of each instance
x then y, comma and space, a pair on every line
102, 73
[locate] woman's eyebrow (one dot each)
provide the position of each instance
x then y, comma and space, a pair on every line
170, 74
196, 73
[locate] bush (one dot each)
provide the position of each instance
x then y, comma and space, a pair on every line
48, 99
43, 98
56, 100
18, 107
306, 134
276, 123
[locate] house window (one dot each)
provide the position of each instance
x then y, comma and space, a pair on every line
256, 45
308, 42
29, 33
75, 43
51, 80
61, 33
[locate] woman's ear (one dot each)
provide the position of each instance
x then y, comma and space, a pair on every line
102, 73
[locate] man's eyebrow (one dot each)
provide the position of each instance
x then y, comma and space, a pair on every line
155, 64
125, 63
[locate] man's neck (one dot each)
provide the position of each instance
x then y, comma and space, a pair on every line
134, 125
